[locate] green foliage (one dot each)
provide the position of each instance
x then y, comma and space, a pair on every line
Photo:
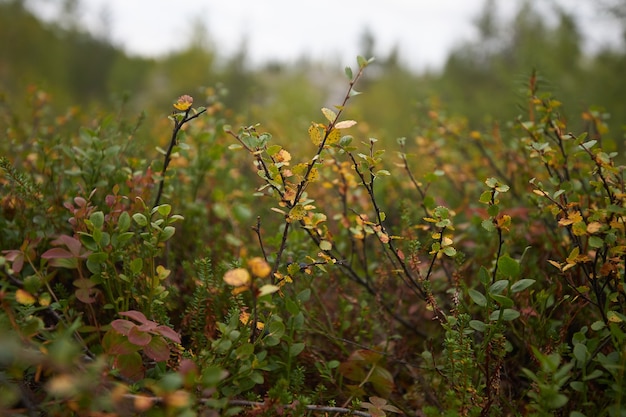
303, 267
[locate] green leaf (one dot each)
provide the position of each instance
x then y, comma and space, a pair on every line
130, 365
212, 375
589, 144
498, 286
245, 350
596, 242
493, 210
483, 276
449, 251
522, 284
325, 245
123, 222
140, 219
304, 295
276, 331
488, 225
597, 325
477, 297
508, 266
164, 209
291, 306
295, 349
97, 219
491, 182
503, 300
348, 72
98, 257
580, 353
136, 265
273, 150
508, 315
478, 325
168, 232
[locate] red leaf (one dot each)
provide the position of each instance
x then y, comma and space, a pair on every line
55, 253
114, 343
84, 283
123, 326
135, 315
137, 337
169, 333
130, 366
149, 326
157, 349
72, 244
16, 257
87, 295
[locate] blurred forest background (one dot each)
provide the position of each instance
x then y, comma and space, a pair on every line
482, 80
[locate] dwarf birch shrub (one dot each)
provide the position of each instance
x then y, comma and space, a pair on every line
222, 270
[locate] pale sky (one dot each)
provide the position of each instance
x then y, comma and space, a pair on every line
284, 30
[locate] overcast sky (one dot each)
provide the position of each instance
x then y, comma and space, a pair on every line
284, 30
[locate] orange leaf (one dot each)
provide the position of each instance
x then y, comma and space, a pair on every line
24, 297
237, 277
259, 267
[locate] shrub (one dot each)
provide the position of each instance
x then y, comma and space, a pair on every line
468, 273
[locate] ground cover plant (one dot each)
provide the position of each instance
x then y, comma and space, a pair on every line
218, 270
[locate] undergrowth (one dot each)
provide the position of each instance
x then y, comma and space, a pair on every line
225, 271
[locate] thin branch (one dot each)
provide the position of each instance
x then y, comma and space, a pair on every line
178, 124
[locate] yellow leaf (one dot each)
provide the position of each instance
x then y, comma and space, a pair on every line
333, 137
314, 175
568, 266
62, 385
183, 103
594, 227
237, 277
143, 402
345, 124
573, 217
259, 267
244, 318
474, 134
579, 228
290, 194
329, 114
267, 289
239, 290
297, 212
177, 399
45, 300
24, 297
283, 156
315, 134
555, 264
571, 258
162, 272
325, 245
613, 317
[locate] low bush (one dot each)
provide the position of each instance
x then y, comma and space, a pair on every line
451, 273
